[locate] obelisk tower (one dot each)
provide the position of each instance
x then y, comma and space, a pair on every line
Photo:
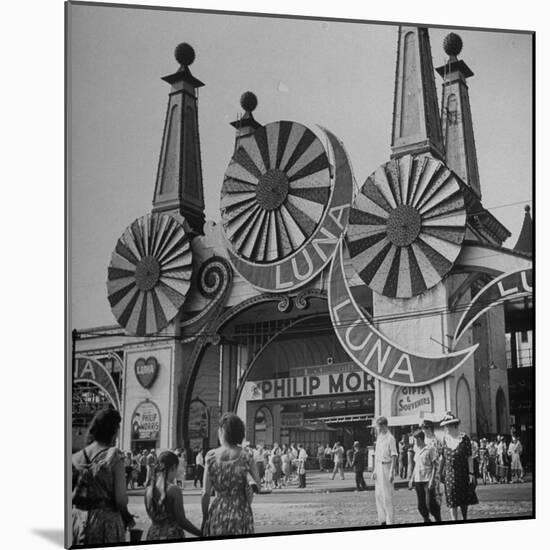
416, 127
179, 187
456, 115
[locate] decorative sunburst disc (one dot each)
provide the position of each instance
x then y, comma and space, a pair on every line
275, 192
406, 226
149, 274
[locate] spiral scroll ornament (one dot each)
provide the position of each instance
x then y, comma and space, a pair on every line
214, 280
406, 226
149, 274
215, 276
275, 192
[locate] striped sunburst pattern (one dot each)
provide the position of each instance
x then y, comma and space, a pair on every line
406, 226
275, 191
149, 274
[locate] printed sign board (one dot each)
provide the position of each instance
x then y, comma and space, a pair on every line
413, 400
292, 420
307, 386
146, 422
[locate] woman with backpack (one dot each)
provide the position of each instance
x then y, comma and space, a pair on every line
100, 514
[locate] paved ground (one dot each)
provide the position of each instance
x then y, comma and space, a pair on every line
325, 505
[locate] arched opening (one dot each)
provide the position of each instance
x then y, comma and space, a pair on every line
263, 427
316, 394
502, 412
198, 426
464, 405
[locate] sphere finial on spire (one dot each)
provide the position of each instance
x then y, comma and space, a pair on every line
527, 208
184, 54
452, 44
249, 101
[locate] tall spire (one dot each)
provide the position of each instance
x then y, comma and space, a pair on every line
247, 124
179, 187
525, 239
416, 126
456, 115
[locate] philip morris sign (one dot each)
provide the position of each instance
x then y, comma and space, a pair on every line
313, 385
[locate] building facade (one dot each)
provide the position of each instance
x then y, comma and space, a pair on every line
310, 309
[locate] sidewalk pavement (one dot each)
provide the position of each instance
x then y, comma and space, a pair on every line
316, 482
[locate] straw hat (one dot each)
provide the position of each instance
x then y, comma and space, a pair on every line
449, 419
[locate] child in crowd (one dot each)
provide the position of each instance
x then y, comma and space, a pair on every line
423, 478
164, 502
268, 477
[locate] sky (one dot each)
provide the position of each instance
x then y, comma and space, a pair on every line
337, 75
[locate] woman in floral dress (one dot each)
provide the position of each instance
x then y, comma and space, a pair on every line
164, 502
458, 468
226, 471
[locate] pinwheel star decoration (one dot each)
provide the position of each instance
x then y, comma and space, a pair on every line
275, 191
406, 226
149, 274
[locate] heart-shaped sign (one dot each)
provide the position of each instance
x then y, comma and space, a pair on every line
146, 371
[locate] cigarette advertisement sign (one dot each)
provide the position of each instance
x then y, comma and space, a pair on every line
146, 422
313, 385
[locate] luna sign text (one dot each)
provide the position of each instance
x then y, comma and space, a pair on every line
373, 351
508, 286
297, 269
89, 370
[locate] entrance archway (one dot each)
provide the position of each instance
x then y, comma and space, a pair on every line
464, 405
301, 387
263, 427
502, 412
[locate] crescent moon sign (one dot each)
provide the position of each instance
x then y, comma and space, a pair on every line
306, 263
506, 287
371, 350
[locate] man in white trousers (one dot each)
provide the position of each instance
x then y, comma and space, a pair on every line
385, 466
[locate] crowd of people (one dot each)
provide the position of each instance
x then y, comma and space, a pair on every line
494, 460
455, 461
140, 465
279, 465
102, 475
232, 473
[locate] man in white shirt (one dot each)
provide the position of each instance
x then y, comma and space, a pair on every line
385, 466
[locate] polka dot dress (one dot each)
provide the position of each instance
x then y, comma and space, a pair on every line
457, 482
